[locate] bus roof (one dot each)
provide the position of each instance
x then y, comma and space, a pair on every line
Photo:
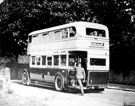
82, 23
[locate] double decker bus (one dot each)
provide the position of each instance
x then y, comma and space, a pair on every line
53, 52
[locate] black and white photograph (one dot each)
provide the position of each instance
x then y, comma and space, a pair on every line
67, 53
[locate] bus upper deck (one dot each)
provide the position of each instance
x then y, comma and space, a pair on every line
68, 31
77, 35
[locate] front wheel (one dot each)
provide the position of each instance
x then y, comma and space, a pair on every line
25, 78
59, 83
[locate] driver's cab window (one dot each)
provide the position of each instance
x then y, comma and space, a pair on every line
75, 59
72, 60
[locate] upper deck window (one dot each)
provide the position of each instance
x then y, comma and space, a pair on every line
64, 33
35, 38
95, 32
45, 36
57, 34
72, 31
30, 39
50, 35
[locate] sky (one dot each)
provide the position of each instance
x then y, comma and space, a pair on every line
1, 1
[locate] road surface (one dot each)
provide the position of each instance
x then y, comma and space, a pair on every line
45, 96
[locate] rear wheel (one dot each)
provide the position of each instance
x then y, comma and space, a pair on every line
59, 83
25, 78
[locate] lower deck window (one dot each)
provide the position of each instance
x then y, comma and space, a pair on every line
72, 59
97, 62
49, 60
33, 60
56, 60
38, 60
63, 60
43, 60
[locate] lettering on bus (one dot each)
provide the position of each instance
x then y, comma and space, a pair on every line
97, 44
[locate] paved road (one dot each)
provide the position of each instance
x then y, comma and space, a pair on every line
121, 87
44, 96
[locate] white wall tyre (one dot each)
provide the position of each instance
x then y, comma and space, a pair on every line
59, 83
25, 78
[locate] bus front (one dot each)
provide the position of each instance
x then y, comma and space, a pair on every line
92, 44
97, 41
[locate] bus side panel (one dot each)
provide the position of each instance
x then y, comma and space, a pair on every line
47, 74
63, 72
97, 78
37, 74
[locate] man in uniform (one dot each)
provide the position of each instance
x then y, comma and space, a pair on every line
80, 75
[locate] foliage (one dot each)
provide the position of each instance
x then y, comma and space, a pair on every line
20, 17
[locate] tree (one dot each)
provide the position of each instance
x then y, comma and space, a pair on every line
18, 18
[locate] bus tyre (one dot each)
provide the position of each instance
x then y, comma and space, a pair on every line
25, 78
59, 83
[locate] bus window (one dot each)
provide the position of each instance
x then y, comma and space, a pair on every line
30, 39
57, 35
45, 36
43, 60
64, 33
33, 60
38, 60
72, 31
35, 38
63, 60
40, 38
97, 62
72, 59
56, 60
49, 61
95, 32
50, 36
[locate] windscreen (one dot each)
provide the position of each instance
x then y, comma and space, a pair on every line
97, 62
95, 32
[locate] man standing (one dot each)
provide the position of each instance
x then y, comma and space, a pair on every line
80, 75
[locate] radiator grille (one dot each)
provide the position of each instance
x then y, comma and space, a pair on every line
98, 77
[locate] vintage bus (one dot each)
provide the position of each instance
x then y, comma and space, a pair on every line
53, 52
